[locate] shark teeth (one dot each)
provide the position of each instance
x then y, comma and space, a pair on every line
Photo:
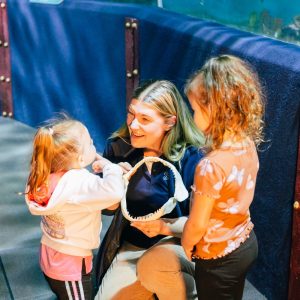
181, 192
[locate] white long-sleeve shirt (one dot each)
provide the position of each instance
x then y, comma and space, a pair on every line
71, 221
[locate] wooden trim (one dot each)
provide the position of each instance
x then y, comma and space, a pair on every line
132, 57
294, 280
6, 104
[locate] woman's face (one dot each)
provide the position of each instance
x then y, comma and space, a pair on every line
146, 126
201, 116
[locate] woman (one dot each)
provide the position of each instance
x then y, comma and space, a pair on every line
150, 260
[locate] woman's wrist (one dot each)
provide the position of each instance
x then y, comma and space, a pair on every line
173, 227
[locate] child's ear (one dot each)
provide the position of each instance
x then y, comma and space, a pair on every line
81, 161
170, 123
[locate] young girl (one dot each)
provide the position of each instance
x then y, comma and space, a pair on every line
227, 102
70, 199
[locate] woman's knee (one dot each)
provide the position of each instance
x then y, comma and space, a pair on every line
160, 271
158, 258
158, 265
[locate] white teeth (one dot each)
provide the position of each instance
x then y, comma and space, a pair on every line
180, 192
137, 134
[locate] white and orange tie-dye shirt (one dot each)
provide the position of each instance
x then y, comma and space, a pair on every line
227, 175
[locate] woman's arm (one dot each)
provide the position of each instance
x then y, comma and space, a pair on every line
197, 222
163, 226
173, 227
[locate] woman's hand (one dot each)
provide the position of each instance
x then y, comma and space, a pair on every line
163, 226
150, 228
100, 163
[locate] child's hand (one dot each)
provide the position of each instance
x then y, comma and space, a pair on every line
113, 207
126, 167
100, 163
188, 249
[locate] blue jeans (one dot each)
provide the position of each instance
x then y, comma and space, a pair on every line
224, 278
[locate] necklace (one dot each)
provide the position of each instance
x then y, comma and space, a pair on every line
148, 164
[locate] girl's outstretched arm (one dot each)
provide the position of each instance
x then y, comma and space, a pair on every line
99, 163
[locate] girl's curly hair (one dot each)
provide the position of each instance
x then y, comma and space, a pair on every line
231, 91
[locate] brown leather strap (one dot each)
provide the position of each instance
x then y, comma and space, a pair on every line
6, 104
132, 57
294, 281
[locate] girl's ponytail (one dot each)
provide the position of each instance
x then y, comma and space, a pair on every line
41, 161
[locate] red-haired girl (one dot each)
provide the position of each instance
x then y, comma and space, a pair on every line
69, 199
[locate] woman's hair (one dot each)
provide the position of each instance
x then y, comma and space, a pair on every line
164, 98
230, 90
55, 148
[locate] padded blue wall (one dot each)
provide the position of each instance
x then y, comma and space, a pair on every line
68, 57
72, 57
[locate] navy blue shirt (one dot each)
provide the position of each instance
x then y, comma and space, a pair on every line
148, 192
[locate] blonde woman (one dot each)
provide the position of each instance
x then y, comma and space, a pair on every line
148, 260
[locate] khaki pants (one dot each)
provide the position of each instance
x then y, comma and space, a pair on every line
138, 274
